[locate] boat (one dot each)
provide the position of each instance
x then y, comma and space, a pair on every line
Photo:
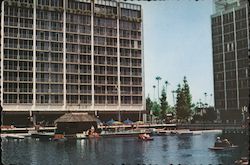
145, 137
242, 161
184, 132
197, 132
59, 137
162, 132
43, 136
222, 145
232, 147
12, 136
93, 135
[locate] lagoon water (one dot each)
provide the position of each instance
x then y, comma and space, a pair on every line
163, 150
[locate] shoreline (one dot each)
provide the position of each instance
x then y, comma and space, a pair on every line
168, 132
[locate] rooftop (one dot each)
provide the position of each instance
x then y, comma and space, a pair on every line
76, 117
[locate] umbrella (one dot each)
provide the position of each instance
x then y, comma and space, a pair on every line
117, 123
127, 121
139, 122
99, 122
110, 122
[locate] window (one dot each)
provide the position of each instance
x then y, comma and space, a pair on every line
85, 49
10, 87
24, 65
26, 23
10, 43
56, 88
25, 76
85, 99
11, 32
55, 67
10, 98
42, 77
10, 54
56, 99
25, 87
26, 44
56, 77
56, 56
10, 65
27, 55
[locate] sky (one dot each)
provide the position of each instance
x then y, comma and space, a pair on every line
177, 43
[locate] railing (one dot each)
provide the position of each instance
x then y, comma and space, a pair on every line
208, 126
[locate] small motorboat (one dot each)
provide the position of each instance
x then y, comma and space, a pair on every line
59, 137
43, 136
93, 135
227, 148
145, 137
242, 161
223, 145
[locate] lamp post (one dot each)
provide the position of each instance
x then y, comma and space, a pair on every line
210, 99
154, 91
205, 99
173, 92
158, 78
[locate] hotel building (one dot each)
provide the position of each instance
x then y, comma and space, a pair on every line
231, 45
62, 56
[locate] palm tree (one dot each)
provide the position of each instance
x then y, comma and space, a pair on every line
154, 91
205, 94
167, 83
158, 78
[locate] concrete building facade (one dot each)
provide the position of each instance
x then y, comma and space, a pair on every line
230, 39
71, 55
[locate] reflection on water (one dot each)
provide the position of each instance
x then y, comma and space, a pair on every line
163, 150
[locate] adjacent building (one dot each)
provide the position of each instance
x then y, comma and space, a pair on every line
231, 45
71, 55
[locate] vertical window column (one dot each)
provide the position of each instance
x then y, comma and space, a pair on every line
64, 54
224, 65
236, 62
92, 57
118, 56
2, 39
34, 55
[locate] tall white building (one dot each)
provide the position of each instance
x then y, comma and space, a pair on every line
71, 55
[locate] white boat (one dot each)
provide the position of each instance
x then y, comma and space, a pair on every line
197, 132
184, 132
13, 136
162, 132
81, 136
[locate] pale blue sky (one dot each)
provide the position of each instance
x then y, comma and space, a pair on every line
177, 43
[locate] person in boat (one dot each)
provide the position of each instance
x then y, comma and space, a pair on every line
218, 139
226, 142
146, 135
222, 143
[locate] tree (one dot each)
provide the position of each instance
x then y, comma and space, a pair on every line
149, 104
156, 109
167, 83
163, 104
158, 78
184, 101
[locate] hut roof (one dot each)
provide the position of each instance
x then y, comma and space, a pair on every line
75, 117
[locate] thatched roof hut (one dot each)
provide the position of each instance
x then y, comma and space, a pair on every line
76, 117
72, 123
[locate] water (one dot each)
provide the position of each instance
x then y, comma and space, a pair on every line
162, 150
